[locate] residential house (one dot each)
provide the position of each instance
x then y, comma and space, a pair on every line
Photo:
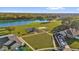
9, 42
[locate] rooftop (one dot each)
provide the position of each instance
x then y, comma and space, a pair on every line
10, 42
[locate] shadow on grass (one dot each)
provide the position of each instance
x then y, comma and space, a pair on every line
60, 28
71, 40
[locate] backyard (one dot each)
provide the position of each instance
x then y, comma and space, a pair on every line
73, 43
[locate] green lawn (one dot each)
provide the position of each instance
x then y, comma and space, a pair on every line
20, 30
39, 41
49, 26
3, 31
73, 43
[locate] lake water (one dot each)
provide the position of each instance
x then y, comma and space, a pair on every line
21, 22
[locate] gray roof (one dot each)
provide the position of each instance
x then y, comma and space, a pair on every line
14, 46
8, 42
3, 40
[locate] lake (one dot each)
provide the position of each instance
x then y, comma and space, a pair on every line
21, 22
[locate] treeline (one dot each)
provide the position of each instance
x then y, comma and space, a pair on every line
14, 16
71, 22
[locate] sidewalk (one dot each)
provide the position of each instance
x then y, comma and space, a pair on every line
67, 48
26, 43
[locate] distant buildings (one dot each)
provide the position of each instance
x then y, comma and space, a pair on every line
9, 42
71, 33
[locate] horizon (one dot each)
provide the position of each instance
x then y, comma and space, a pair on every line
39, 9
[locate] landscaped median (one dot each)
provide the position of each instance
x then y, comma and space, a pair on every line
39, 41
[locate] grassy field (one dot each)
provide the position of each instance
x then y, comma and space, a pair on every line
21, 29
3, 31
39, 41
73, 43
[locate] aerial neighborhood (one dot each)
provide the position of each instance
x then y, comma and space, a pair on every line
39, 32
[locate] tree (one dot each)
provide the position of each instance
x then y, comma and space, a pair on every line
67, 21
39, 17
75, 24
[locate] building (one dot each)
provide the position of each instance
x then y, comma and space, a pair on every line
71, 33
9, 42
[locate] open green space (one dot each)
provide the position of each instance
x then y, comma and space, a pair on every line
36, 41
73, 43
3, 31
21, 30
39, 41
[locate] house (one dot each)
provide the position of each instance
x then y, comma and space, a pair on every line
63, 32
9, 42
67, 33
74, 31
71, 33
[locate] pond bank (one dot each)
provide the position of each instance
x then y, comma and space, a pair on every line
19, 22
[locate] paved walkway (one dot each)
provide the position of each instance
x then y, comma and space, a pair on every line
67, 48
43, 49
52, 39
20, 38
33, 34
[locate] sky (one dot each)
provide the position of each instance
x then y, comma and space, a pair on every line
40, 9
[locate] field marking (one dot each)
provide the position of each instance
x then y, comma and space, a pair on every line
52, 39
32, 34
43, 49
37, 34
22, 40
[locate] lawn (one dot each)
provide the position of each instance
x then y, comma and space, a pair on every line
73, 43
20, 30
39, 41
50, 26
3, 31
